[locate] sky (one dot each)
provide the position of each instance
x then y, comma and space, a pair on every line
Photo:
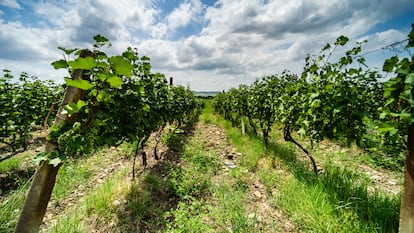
208, 45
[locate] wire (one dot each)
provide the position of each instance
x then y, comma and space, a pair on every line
392, 47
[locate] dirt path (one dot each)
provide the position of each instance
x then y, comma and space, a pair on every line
268, 217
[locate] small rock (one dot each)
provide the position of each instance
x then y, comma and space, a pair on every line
251, 216
100, 181
389, 182
116, 203
375, 177
257, 195
230, 164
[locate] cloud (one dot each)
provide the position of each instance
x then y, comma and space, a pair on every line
34, 45
182, 16
114, 19
10, 3
236, 42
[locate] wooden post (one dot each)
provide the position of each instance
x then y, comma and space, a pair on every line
171, 81
44, 179
242, 125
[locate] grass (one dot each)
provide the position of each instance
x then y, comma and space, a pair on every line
335, 201
18, 177
69, 224
72, 175
10, 164
66, 183
210, 201
96, 209
231, 209
10, 208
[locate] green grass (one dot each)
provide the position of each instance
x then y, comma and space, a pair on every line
69, 224
96, 209
10, 164
14, 163
10, 209
72, 174
11, 204
210, 200
66, 181
231, 208
335, 201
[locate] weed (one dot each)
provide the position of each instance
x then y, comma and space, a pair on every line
171, 138
335, 201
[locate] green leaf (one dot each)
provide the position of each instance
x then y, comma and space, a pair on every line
411, 37
342, 40
81, 63
388, 129
407, 117
55, 162
81, 104
56, 158
68, 51
302, 132
129, 55
60, 64
115, 81
383, 115
42, 156
146, 108
389, 64
79, 83
409, 79
121, 66
72, 108
327, 46
100, 39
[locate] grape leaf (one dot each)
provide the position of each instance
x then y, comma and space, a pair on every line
79, 83
81, 63
60, 64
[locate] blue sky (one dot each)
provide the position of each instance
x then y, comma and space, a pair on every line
208, 44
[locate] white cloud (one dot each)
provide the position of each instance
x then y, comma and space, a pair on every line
10, 3
182, 16
241, 40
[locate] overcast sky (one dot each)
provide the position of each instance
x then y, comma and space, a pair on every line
210, 45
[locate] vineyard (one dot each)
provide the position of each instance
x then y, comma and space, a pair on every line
117, 148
